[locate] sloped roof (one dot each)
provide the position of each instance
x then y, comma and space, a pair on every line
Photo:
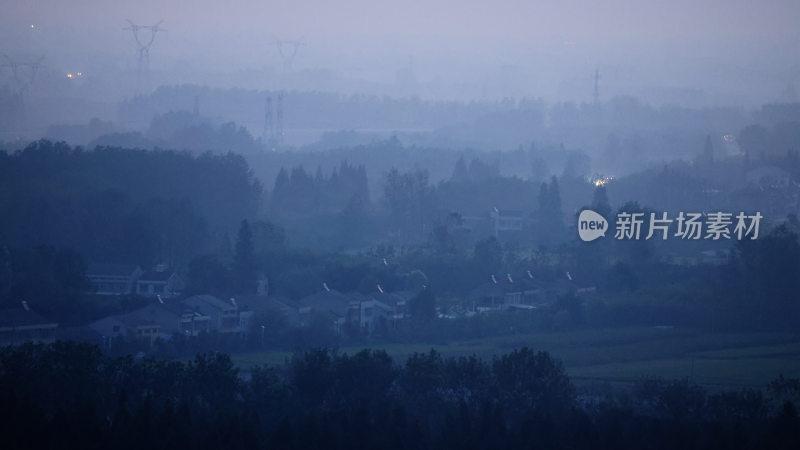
512, 213
207, 304
167, 317
152, 314
153, 275
20, 317
488, 289
262, 302
328, 301
120, 270
392, 298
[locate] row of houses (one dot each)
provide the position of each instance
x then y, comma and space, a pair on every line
502, 292
166, 316
166, 319
366, 312
363, 311
160, 319
124, 279
499, 223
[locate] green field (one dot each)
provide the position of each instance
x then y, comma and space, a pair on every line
625, 355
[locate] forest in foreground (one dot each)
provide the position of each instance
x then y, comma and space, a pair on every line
68, 394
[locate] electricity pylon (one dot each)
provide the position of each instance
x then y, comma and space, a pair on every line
288, 55
144, 43
23, 78
24, 74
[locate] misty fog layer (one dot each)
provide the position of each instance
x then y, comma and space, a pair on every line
691, 53
416, 224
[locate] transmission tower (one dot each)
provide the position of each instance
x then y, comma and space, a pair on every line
596, 85
279, 121
24, 73
268, 129
288, 51
144, 41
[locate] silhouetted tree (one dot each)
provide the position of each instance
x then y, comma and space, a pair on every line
409, 198
245, 270
600, 202
460, 172
423, 306
208, 275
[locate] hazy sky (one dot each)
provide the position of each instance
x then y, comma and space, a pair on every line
578, 20
654, 42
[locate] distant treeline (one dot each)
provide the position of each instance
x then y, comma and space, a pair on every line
73, 395
116, 205
482, 124
313, 110
64, 207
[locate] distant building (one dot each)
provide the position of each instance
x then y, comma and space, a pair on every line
113, 279
389, 306
190, 317
260, 304
487, 296
20, 325
223, 316
537, 297
768, 177
507, 222
159, 281
193, 323
501, 293
364, 312
477, 225
155, 321
333, 304
371, 312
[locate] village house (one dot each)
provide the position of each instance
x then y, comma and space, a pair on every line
331, 303
506, 222
224, 317
159, 281
154, 321
113, 279
20, 325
